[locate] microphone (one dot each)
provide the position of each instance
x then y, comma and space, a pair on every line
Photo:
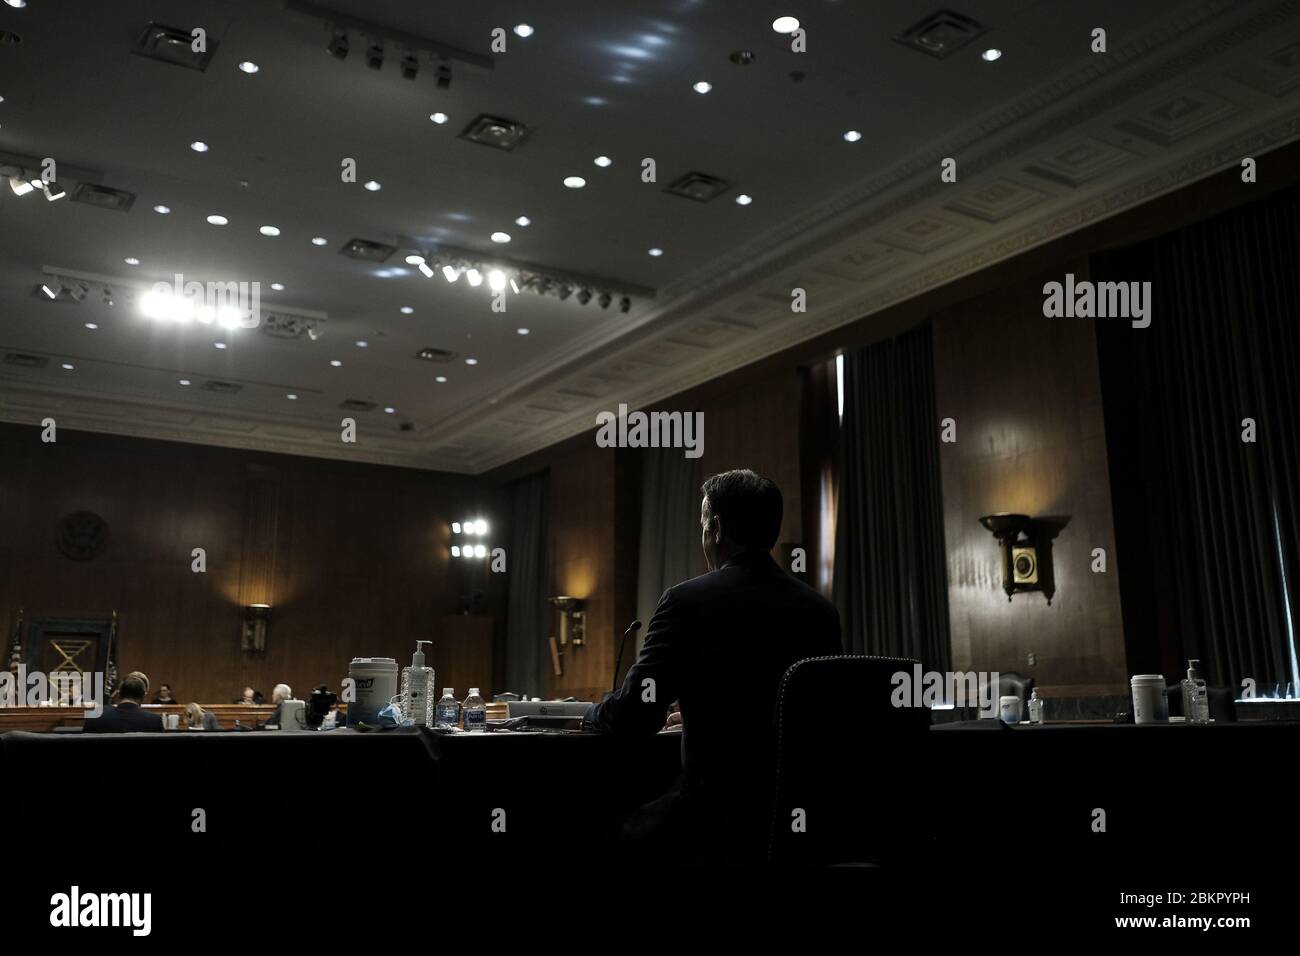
622, 645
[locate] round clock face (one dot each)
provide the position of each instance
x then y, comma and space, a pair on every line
81, 535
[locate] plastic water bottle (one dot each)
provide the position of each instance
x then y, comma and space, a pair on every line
475, 712
1035, 708
447, 713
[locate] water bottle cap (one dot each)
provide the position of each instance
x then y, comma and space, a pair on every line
473, 692
449, 692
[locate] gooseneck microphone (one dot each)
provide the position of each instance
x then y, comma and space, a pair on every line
622, 645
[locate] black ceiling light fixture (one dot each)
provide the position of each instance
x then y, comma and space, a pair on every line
375, 55
338, 45
443, 76
742, 57
410, 67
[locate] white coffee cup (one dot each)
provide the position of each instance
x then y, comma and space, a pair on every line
1149, 703
1009, 709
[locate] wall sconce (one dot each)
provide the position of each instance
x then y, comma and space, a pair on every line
1026, 545
573, 619
257, 621
473, 527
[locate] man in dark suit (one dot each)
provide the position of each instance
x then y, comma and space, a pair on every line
719, 644
126, 716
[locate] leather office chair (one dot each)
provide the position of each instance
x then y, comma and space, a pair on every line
1011, 684
843, 758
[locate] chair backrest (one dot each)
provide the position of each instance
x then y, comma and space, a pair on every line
843, 790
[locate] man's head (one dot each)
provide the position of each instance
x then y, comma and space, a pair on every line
249, 695
281, 692
165, 691
739, 511
142, 677
132, 689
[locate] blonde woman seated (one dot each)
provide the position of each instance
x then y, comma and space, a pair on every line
199, 719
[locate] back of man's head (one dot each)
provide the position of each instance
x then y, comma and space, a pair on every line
749, 507
133, 689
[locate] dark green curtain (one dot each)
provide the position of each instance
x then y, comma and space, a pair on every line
528, 578
890, 579
1214, 520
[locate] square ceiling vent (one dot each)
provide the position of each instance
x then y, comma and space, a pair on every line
357, 405
435, 355
698, 186
941, 34
367, 251
175, 46
495, 131
103, 197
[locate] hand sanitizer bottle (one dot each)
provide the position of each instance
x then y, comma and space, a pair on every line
1035, 708
1196, 701
448, 712
475, 712
417, 688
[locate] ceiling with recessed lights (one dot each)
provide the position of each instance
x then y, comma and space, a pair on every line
127, 305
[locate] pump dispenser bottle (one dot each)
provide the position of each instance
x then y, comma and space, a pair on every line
417, 688
1196, 702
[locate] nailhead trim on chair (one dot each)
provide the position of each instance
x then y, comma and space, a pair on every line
780, 725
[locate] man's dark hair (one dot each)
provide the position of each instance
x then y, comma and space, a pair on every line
132, 689
749, 505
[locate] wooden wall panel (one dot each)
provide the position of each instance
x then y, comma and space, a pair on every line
359, 566
1026, 396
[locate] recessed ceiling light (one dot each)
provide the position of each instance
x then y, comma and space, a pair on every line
656, 251
373, 186
319, 241
336, 363
496, 280
414, 259
744, 200
471, 361
292, 397
603, 161
17, 4
131, 261
523, 221
277, 286
574, 182
474, 277
162, 210
362, 343
389, 409
406, 310
248, 66
217, 220
521, 331
703, 86
501, 237
218, 345
68, 366
439, 118
991, 54
92, 326
199, 146
852, 136
785, 24
441, 379
523, 30
271, 231
451, 273
184, 381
